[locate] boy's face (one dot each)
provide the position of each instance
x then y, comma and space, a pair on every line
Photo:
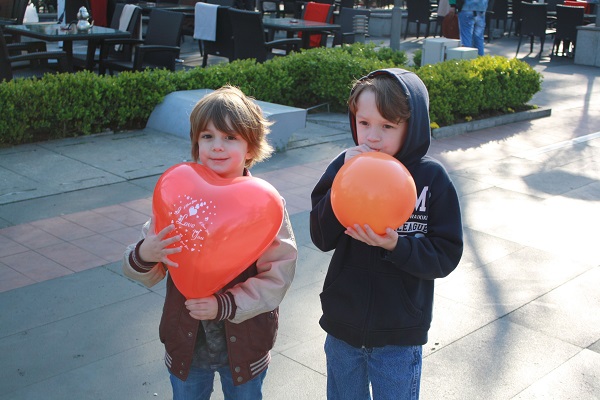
375, 131
224, 153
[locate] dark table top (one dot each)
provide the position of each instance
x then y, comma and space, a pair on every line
53, 32
298, 25
148, 6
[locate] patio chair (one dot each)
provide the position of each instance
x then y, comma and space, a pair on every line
534, 23
552, 5
515, 12
346, 21
222, 46
567, 20
159, 49
12, 12
320, 12
498, 12
249, 37
123, 51
419, 12
32, 64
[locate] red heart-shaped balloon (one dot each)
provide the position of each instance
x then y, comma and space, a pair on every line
225, 224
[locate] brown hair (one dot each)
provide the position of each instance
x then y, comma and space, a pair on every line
231, 111
390, 100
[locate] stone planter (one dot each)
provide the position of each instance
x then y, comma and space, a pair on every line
588, 45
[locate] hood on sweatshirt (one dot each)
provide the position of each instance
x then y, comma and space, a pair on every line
418, 136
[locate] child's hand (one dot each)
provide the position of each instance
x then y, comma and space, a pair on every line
354, 151
203, 309
366, 235
154, 247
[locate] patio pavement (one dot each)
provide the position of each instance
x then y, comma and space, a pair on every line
518, 319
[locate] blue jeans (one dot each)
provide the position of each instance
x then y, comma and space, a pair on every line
394, 372
471, 25
199, 385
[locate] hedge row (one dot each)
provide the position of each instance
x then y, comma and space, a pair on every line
64, 105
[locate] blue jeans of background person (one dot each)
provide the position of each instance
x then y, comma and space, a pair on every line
394, 372
471, 25
199, 385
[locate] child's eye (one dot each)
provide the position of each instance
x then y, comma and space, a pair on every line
231, 137
388, 126
363, 123
205, 136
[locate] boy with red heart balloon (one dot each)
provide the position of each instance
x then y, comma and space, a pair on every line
377, 297
232, 331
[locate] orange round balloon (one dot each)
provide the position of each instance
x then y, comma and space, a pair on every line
375, 189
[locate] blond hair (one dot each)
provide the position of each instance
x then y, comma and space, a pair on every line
232, 112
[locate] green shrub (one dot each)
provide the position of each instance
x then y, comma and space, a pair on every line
63, 105
467, 88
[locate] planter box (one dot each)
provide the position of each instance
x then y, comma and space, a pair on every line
588, 45
458, 129
173, 116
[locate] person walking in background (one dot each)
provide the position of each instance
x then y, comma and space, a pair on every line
471, 21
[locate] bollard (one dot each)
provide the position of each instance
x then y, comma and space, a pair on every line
360, 28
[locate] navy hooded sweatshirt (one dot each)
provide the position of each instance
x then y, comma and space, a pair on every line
373, 297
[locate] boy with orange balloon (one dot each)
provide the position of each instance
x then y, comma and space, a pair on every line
233, 330
377, 297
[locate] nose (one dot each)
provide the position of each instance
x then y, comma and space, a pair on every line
374, 135
217, 144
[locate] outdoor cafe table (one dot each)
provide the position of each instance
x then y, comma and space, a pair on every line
175, 7
293, 26
52, 32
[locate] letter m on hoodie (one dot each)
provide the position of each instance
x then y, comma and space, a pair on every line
421, 201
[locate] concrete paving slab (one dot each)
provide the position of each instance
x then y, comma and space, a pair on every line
111, 329
452, 321
27, 179
313, 267
497, 361
481, 248
310, 354
37, 305
129, 155
288, 379
568, 312
105, 379
536, 177
595, 347
510, 282
38, 208
299, 316
580, 375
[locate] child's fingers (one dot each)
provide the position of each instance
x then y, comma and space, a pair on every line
166, 230
169, 263
172, 240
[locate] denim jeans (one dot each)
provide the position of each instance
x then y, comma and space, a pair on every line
394, 372
199, 385
471, 25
